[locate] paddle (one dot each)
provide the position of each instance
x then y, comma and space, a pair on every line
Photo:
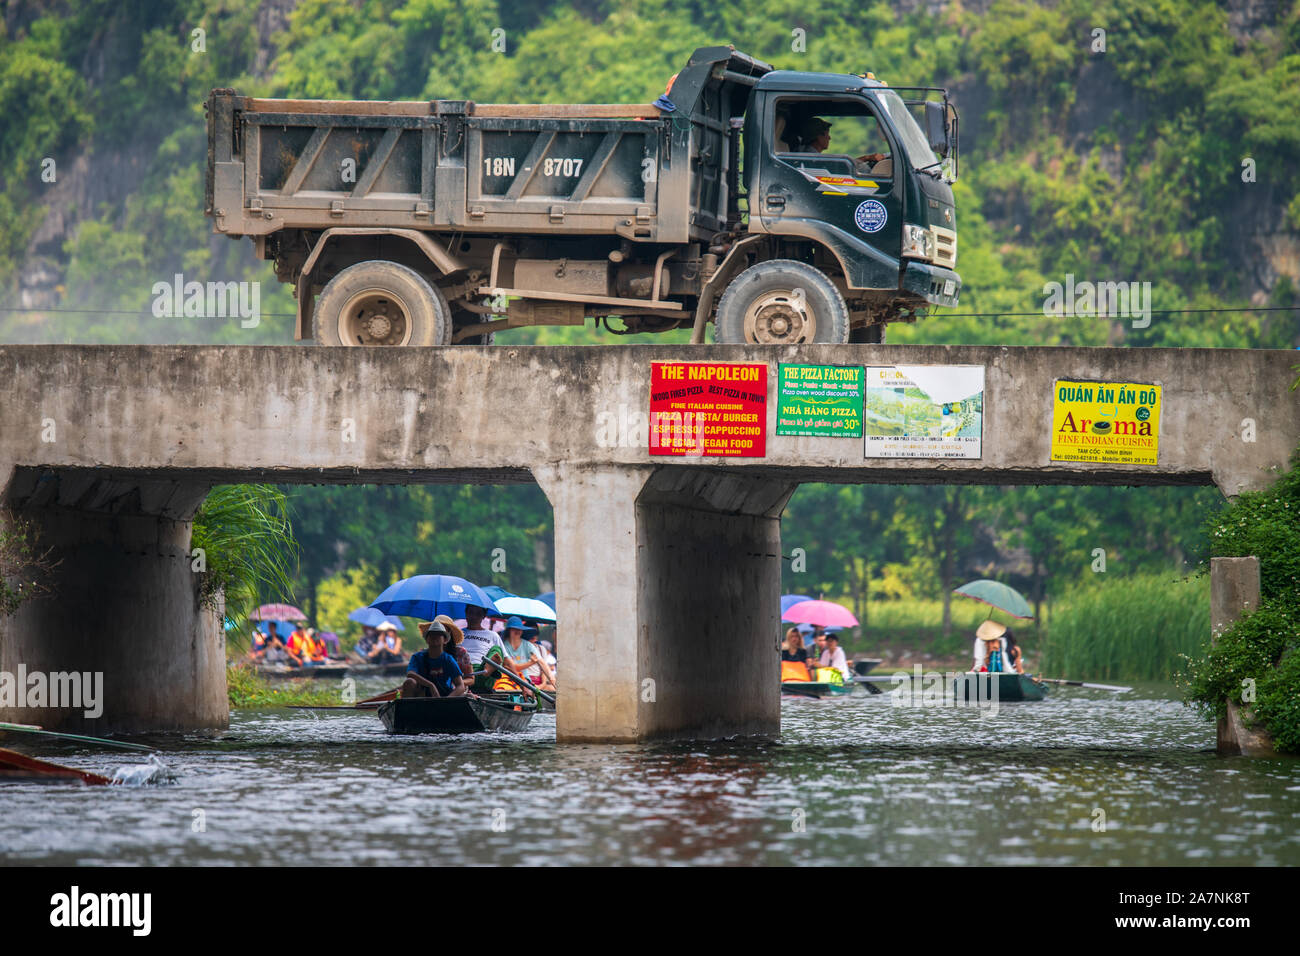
1079, 683
494, 657
33, 729
363, 704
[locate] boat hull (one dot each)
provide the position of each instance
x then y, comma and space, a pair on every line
976, 688
454, 715
317, 672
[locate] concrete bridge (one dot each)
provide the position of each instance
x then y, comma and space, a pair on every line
667, 569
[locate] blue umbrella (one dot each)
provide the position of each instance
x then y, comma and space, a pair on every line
373, 617
427, 595
788, 600
496, 593
282, 629
547, 598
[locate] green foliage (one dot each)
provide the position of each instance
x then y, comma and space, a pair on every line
25, 566
1265, 524
1255, 656
248, 547
1254, 664
248, 690
1127, 627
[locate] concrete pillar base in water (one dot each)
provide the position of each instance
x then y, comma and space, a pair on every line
667, 582
124, 610
1234, 589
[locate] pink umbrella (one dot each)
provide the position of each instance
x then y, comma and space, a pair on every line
277, 612
825, 613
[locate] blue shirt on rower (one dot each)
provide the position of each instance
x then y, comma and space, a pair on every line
441, 671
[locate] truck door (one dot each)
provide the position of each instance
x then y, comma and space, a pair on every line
831, 160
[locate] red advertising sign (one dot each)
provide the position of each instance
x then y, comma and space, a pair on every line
708, 408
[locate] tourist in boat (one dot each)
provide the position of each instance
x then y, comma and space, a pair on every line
366, 643
794, 657
388, 646
523, 657
990, 655
833, 655
296, 646
303, 650
455, 638
266, 646
818, 642
1013, 652
432, 672
328, 643
548, 652
478, 639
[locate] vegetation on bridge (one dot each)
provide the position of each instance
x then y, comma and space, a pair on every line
1256, 661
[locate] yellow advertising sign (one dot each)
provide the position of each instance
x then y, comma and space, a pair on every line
1114, 422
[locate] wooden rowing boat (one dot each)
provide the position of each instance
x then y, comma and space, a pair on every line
393, 669
1010, 687
16, 766
455, 715
316, 672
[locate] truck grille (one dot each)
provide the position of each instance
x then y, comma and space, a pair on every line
945, 247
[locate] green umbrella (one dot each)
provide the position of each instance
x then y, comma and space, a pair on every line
998, 595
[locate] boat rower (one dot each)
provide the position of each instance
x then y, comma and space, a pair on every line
432, 672
990, 652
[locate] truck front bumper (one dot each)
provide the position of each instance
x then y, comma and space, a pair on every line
934, 284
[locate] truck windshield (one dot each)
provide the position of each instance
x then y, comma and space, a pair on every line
909, 131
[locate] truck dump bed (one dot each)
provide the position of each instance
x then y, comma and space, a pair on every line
458, 165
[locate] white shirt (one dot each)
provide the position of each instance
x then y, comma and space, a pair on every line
836, 660
479, 642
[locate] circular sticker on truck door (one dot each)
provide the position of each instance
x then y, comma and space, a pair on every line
871, 216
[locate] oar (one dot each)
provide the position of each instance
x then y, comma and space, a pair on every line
509, 674
33, 729
361, 704
1079, 683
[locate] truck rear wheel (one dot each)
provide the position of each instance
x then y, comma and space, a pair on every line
781, 302
381, 303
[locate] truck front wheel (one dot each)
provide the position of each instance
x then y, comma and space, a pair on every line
781, 302
381, 303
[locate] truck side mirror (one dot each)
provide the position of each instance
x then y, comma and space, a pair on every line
936, 127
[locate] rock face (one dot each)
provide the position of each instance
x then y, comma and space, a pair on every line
102, 176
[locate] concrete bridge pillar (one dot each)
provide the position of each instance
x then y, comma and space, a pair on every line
668, 583
124, 606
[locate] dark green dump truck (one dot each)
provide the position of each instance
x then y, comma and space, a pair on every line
782, 206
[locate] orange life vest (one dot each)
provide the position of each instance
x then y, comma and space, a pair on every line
795, 671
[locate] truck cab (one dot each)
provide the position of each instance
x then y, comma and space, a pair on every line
841, 160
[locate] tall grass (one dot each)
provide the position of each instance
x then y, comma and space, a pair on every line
248, 546
1132, 627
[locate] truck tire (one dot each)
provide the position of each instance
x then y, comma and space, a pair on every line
871, 334
762, 306
381, 303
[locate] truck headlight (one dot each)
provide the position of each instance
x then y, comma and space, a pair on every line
918, 242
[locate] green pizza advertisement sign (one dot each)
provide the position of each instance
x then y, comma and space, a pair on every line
819, 400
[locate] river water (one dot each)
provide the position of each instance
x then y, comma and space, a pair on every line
851, 780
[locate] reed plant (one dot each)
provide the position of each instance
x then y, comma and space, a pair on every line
1127, 627
248, 548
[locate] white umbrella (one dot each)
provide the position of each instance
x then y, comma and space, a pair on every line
530, 608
